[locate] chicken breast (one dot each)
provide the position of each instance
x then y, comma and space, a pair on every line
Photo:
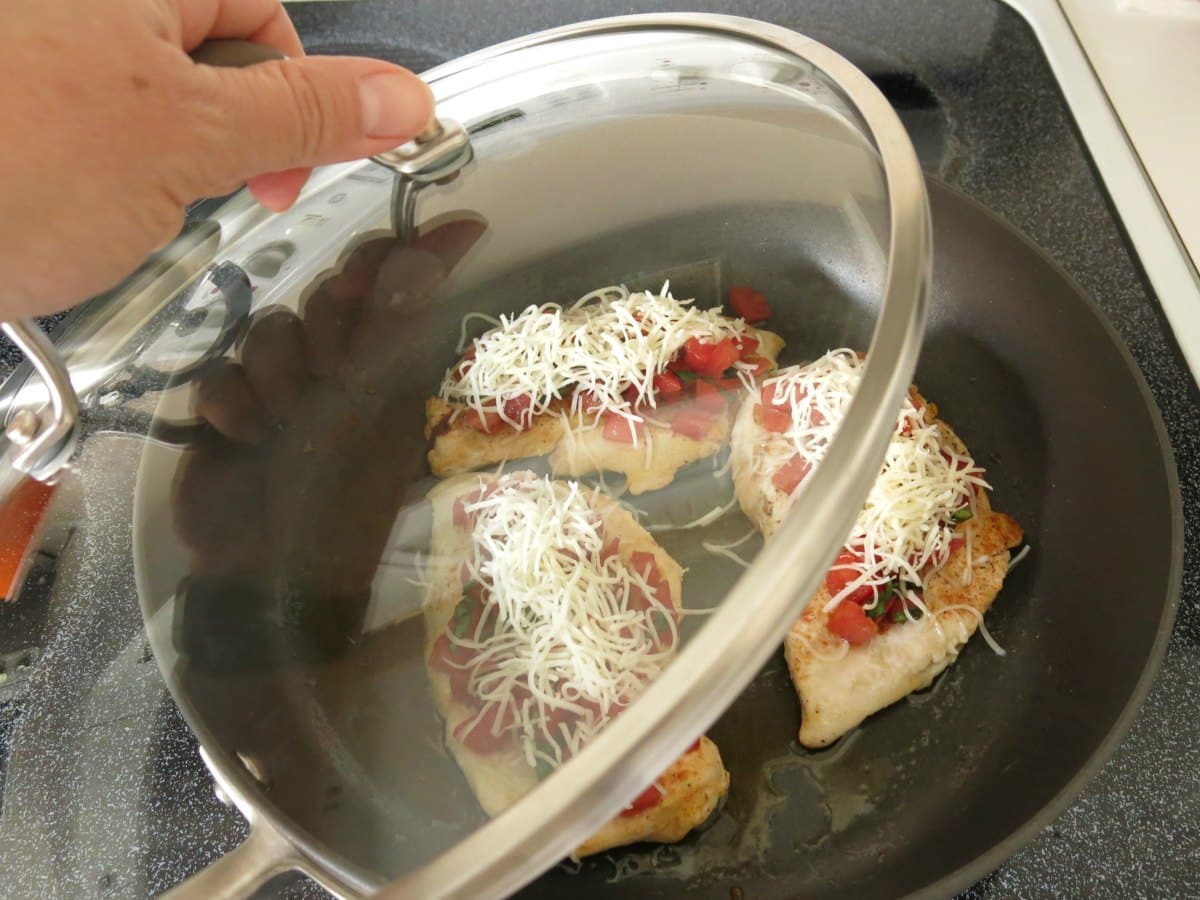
576, 445
691, 788
840, 685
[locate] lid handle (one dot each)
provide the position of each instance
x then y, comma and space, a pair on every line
437, 153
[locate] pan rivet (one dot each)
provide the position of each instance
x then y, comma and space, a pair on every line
24, 427
255, 767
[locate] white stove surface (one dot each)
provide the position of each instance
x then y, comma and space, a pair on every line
1146, 54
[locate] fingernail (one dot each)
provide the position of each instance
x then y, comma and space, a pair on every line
394, 104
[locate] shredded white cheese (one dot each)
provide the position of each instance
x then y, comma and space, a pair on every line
602, 351
702, 522
567, 638
726, 550
906, 525
987, 635
1012, 563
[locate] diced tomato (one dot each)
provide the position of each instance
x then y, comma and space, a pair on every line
773, 395
645, 564
761, 364
647, 799
791, 473
709, 397
464, 519
489, 423
749, 304
724, 356
662, 591
840, 575
620, 429
557, 717
747, 345
667, 383
589, 402
518, 410
697, 354
852, 624
692, 422
710, 359
957, 543
480, 736
639, 600
730, 385
774, 419
464, 364
609, 550
959, 465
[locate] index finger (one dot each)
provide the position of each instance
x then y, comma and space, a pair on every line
260, 21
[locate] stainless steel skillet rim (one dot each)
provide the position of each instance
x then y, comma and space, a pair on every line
775, 590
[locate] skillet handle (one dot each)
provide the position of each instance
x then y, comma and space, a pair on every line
239, 873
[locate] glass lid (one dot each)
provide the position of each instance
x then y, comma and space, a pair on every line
474, 487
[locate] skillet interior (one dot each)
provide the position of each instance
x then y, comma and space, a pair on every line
931, 794
941, 786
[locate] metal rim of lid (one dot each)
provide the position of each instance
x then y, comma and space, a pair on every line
750, 624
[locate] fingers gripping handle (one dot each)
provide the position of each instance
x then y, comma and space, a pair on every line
437, 153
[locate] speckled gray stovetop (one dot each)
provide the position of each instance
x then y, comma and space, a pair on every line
969, 80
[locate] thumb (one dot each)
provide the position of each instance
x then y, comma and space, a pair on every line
309, 111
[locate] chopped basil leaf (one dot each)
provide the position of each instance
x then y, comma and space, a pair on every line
658, 621
544, 759
961, 515
685, 375
899, 616
462, 616
892, 590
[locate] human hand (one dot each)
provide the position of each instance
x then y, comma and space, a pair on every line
111, 130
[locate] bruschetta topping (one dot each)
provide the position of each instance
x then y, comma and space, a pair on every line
613, 357
559, 628
907, 527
